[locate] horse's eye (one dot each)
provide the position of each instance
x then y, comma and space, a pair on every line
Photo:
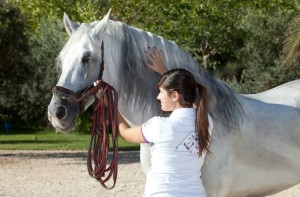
86, 59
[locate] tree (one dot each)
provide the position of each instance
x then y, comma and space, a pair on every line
14, 70
39, 10
258, 60
199, 27
27, 65
36, 92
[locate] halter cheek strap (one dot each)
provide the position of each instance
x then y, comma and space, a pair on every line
102, 62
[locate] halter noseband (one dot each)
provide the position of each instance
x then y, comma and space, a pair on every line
81, 96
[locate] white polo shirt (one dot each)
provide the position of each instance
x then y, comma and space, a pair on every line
176, 164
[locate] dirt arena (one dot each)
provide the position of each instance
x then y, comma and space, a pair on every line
64, 173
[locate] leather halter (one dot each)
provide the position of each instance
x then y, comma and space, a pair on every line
81, 96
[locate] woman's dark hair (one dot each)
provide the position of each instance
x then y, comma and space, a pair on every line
183, 82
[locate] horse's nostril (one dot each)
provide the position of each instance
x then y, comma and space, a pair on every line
60, 112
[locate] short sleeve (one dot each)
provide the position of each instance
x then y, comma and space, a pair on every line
150, 130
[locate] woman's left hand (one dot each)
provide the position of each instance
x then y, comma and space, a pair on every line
157, 60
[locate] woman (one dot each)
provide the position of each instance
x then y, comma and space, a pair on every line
180, 141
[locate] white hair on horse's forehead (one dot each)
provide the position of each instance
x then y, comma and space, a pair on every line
82, 37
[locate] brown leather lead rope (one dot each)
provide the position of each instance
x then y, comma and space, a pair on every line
104, 121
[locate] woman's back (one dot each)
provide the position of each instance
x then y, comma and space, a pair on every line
175, 157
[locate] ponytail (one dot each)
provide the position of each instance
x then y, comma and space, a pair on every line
202, 119
184, 83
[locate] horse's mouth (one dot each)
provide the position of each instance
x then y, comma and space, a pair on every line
61, 125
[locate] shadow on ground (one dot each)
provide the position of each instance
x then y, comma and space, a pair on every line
125, 157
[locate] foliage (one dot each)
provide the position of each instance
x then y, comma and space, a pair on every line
196, 26
258, 60
36, 93
14, 48
84, 122
39, 10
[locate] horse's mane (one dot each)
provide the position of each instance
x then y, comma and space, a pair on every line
136, 81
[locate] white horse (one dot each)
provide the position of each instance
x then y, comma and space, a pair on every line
255, 144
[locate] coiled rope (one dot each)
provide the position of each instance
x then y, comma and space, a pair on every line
104, 121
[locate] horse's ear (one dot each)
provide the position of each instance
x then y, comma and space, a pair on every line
70, 26
100, 28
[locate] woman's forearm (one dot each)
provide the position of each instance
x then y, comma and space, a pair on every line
129, 134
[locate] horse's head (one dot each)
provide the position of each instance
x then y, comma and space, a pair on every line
80, 61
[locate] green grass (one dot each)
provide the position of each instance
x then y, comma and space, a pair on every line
48, 139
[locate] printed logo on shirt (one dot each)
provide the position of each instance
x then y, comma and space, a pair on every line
189, 144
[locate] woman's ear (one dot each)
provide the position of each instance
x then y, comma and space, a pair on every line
175, 96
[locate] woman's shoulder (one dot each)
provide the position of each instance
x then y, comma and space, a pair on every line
158, 119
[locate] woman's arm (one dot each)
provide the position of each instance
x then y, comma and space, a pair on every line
157, 60
129, 134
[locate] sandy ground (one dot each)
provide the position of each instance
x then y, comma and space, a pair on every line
64, 173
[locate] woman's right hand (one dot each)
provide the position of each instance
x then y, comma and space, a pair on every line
157, 60
99, 93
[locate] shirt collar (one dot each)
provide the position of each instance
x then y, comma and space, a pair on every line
183, 111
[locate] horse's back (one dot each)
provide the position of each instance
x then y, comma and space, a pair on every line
286, 94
